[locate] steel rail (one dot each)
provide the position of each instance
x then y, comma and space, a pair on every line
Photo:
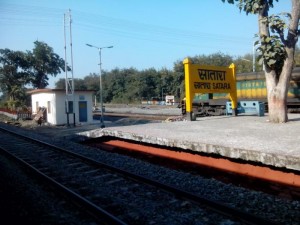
100, 214
215, 206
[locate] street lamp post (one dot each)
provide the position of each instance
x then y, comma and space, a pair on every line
101, 93
253, 57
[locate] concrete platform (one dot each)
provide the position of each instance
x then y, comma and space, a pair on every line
250, 138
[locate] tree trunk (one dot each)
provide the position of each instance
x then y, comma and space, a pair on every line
277, 99
277, 90
277, 87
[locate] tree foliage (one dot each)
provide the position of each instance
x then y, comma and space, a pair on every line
79, 84
18, 69
13, 76
44, 62
127, 85
130, 85
278, 35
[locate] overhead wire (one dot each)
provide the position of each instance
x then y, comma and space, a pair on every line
30, 15
142, 28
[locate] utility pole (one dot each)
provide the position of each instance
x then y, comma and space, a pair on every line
253, 60
69, 81
100, 84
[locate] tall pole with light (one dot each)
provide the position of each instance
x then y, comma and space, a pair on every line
101, 92
253, 57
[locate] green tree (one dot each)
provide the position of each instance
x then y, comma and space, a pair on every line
178, 71
115, 85
244, 64
79, 84
44, 62
120, 86
92, 81
14, 76
215, 59
132, 87
170, 84
148, 84
278, 35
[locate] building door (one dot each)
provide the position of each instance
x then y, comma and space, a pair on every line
82, 111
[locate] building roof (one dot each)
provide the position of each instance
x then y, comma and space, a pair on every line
48, 90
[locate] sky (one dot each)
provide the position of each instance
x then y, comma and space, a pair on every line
144, 34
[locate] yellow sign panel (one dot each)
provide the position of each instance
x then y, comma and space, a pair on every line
208, 79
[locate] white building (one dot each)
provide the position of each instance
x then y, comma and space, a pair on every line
53, 101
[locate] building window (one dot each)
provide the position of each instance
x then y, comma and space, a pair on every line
49, 107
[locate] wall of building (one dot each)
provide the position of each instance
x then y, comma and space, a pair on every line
54, 102
40, 100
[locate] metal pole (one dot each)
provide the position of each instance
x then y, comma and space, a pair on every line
253, 62
71, 47
66, 73
101, 99
100, 79
72, 69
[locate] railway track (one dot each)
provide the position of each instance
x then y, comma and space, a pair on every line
111, 194
163, 156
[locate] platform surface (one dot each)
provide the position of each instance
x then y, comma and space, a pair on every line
250, 138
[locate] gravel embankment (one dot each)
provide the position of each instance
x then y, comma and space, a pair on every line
23, 201
281, 210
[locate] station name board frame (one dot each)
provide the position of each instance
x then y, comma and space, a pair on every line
208, 79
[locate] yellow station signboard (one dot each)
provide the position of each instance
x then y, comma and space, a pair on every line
208, 79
